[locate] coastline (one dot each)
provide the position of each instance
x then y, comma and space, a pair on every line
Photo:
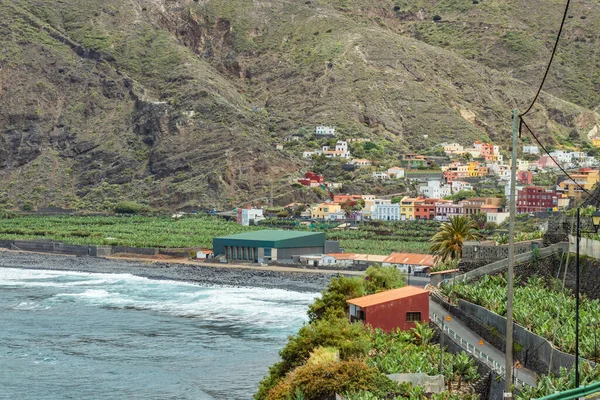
183, 271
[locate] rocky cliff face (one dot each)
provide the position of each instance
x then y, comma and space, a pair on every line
178, 102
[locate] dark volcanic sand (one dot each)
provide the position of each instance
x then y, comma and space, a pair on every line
296, 281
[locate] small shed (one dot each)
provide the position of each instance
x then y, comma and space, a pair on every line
391, 309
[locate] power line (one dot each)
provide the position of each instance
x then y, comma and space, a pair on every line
550, 62
522, 122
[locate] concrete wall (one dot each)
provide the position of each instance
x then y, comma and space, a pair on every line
47, 246
43, 246
147, 251
474, 252
587, 247
5, 244
332, 246
288, 252
501, 265
538, 354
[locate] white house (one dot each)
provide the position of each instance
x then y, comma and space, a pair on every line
318, 260
251, 216
325, 131
498, 217
386, 212
562, 157
360, 162
204, 254
310, 154
435, 190
383, 176
341, 150
531, 150
337, 216
453, 148
395, 172
457, 186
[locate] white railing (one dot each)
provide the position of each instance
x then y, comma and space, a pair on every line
473, 350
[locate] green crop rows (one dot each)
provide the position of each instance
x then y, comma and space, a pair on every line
198, 231
541, 308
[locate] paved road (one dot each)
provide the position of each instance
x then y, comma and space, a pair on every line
470, 337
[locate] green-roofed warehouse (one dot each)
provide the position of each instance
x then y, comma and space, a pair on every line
269, 245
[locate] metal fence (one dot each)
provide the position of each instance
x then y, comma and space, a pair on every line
473, 350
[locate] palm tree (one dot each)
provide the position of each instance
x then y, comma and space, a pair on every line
448, 241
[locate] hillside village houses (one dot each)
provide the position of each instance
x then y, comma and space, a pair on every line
322, 131
457, 172
531, 149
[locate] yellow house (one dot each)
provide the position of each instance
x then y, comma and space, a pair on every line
596, 142
585, 177
322, 211
472, 167
407, 207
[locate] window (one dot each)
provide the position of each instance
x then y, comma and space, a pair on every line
413, 316
267, 253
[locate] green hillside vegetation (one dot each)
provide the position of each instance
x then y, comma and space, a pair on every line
179, 103
330, 355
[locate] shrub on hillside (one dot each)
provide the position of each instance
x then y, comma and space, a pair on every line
437, 18
333, 299
129, 207
323, 381
352, 341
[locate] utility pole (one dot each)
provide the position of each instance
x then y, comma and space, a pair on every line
577, 240
271, 202
511, 262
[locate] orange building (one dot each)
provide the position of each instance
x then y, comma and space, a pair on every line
425, 209
340, 198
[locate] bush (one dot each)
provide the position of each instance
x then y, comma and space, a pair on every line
27, 206
333, 299
323, 381
352, 340
437, 18
383, 278
129, 207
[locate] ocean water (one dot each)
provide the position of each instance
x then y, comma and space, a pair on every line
68, 335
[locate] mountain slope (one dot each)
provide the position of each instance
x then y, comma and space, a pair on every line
178, 102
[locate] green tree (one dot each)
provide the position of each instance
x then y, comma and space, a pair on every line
480, 219
352, 205
461, 195
333, 299
447, 243
383, 278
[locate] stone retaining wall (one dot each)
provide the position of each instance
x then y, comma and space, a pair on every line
536, 353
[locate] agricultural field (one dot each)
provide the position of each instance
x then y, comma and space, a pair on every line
199, 230
540, 306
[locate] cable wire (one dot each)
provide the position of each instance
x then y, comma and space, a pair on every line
556, 162
550, 62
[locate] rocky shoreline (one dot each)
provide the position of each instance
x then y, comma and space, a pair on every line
202, 275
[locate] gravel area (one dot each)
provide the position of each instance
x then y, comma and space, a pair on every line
295, 281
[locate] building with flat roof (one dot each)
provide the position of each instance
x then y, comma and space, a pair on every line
391, 309
269, 245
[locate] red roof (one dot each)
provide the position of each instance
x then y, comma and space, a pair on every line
387, 296
410, 259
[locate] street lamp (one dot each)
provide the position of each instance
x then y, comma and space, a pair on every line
596, 224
